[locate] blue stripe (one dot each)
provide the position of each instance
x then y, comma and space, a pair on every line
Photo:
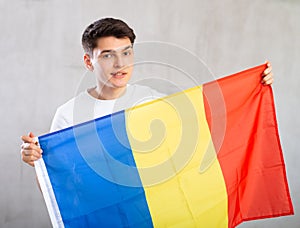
86, 165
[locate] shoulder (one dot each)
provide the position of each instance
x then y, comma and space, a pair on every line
64, 114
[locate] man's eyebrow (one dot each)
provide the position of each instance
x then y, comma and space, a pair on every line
111, 50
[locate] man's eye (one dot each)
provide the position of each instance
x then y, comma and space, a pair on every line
126, 53
107, 56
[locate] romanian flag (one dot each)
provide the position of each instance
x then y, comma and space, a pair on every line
209, 156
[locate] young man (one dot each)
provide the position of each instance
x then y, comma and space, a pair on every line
108, 45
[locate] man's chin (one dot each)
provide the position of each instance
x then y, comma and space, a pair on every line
119, 83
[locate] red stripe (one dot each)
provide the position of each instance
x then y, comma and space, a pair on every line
241, 116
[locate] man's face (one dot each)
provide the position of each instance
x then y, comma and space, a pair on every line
113, 61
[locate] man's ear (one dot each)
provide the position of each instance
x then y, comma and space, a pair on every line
88, 62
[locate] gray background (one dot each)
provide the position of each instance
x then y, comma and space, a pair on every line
41, 67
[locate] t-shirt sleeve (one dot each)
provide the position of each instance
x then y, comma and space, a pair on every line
59, 121
155, 94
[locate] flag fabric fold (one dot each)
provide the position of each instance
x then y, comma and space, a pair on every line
209, 156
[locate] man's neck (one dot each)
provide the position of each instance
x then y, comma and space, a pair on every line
107, 93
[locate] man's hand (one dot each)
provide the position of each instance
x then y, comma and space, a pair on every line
30, 150
267, 76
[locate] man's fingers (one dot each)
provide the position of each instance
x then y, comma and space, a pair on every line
31, 146
30, 149
27, 139
30, 152
29, 160
26, 145
30, 138
34, 153
268, 80
267, 71
267, 77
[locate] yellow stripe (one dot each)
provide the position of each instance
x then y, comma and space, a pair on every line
168, 156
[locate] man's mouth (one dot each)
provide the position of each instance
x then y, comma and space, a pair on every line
119, 74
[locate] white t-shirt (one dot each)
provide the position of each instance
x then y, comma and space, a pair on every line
84, 107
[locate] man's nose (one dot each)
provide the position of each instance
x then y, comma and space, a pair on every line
119, 63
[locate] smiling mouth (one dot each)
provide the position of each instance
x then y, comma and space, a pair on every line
119, 74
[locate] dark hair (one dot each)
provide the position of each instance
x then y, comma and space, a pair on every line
103, 28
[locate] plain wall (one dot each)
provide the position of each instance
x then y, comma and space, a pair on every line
41, 68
